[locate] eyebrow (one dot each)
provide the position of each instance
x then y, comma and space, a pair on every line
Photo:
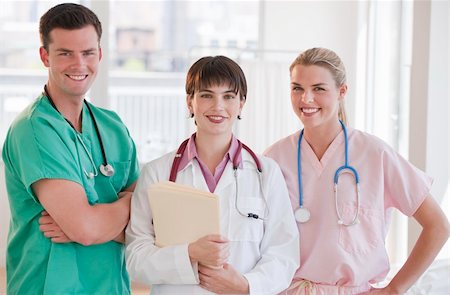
69, 50
210, 91
314, 85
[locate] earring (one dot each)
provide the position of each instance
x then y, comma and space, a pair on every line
239, 117
192, 115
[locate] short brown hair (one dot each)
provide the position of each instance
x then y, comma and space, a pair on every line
216, 70
67, 16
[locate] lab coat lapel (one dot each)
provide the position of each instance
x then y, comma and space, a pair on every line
227, 177
198, 181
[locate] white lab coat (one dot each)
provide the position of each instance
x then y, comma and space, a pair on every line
265, 252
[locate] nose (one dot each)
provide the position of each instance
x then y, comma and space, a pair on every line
218, 102
307, 97
78, 60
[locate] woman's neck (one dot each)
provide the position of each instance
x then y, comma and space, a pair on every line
212, 148
320, 138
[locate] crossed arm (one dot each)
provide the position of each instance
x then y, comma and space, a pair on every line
69, 217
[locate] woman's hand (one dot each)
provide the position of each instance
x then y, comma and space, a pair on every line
51, 229
223, 280
381, 291
211, 250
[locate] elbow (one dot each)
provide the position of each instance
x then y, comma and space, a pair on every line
84, 235
441, 232
447, 229
86, 241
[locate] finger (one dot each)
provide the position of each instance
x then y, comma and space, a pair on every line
45, 219
44, 213
45, 227
205, 280
205, 271
49, 234
217, 238
204, 286
49, 227
60, 240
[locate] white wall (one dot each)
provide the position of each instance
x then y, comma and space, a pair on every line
299, 25
437, 140
429, 122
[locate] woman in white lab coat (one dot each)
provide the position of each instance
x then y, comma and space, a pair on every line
258, 249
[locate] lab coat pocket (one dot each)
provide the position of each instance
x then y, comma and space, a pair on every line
243, 228
364, 236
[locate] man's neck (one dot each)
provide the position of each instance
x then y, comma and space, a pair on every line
69, 106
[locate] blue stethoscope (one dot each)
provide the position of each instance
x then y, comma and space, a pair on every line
302, 214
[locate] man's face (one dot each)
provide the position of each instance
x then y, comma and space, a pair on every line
72, 58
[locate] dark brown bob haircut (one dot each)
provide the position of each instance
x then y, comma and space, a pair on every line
68, 16
216, 70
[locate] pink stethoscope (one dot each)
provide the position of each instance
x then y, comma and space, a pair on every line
179, 155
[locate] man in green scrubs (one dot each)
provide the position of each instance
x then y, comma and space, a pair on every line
67, 217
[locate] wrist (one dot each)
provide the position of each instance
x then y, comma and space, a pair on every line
392, 289
245, 286
191, 253
124, 195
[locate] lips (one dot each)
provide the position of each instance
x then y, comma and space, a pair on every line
310, 110
77, 77
216, 119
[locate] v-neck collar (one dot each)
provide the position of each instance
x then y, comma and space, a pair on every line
319, 166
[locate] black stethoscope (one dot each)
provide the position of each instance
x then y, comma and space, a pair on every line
302, 214
105, 168
179, 155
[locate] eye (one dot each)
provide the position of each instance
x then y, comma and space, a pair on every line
319, 89
205, 95
229, 96
89, 53
296, 88
64, 54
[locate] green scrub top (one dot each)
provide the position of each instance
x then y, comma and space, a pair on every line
41, 144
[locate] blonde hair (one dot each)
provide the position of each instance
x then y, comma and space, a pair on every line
326, 58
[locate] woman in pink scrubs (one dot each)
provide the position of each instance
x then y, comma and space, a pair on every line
342, 235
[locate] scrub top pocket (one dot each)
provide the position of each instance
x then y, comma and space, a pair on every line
363, 237
243, 228
120, 177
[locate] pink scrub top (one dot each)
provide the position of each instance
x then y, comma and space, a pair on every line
337, 255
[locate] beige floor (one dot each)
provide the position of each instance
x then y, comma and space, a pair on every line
136, 289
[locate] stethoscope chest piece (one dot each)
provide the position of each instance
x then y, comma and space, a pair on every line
302, 215
107, 170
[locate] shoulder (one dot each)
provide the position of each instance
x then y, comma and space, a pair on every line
283, 145
267, 164
159, 168
105, 114
367, 141
35, 119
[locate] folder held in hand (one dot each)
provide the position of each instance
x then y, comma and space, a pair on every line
182, 214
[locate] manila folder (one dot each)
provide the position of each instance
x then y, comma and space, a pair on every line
182, 214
